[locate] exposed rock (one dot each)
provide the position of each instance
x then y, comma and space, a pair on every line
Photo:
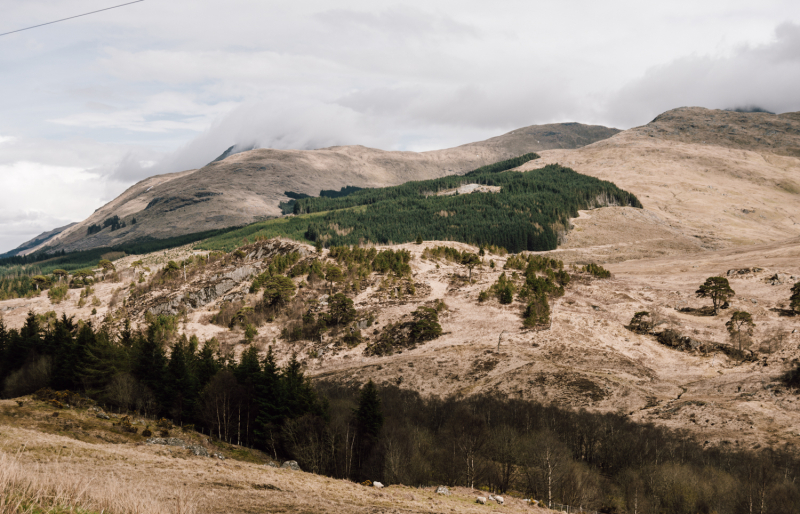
291, 464
102, 415
198, 450
443, 490
271, 465
777, 279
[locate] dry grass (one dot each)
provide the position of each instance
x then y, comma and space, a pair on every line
52, 488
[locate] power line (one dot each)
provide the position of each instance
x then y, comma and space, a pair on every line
70, 18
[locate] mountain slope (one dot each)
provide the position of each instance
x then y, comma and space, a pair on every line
707, 179
248, 186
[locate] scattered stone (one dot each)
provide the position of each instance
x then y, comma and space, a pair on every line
377, 485
272, 464
291, 464
443, 490
102, 415
198, 450
481, 500
777, 279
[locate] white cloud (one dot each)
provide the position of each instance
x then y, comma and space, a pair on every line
763, 75
60, 194
166, 86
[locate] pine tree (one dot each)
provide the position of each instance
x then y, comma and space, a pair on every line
369, 421
182, 381
3, 347
207, 364
150, 367
271, 410
794, 300
248, 375
718, 289
369, 415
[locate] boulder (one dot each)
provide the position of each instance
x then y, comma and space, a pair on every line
291, 464
272, 464
443, 490
481, 500
377, 485
102, 415
198, 450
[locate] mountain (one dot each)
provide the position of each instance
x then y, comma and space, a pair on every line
247, 186
36, 241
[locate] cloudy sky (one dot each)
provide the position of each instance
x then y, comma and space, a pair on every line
94, 104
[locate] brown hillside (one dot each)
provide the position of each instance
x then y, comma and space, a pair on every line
248, 186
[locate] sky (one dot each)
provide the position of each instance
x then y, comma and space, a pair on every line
92, 105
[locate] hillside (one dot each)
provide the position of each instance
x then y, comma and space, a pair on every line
703, 184
248, 186
719, 197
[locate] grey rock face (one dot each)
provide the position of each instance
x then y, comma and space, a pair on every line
291, 464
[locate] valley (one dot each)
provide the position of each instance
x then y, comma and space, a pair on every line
718, 193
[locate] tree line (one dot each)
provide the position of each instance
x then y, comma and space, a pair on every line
528, 213
381, 432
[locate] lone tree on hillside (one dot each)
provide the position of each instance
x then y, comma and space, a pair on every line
333, 274
60, 273
341, 309
39, 280
718, 289
278, 290
794, 300
740, 328
106, 265
470, 260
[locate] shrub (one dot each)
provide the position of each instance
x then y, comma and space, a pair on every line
340, 309
641, 323
57, 293
597, 271
538, 311
250, 332
278, 290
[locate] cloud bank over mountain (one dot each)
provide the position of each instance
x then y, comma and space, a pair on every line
95, 104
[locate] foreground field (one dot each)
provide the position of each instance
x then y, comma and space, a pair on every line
87, 463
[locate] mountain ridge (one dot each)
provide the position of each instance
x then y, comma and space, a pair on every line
248, 186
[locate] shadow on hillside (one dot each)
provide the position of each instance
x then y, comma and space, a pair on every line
787, 313
702, 311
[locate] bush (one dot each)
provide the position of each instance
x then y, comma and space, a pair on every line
341, 310
57, 293
250, 332
278, 290
597, 271
423, 326
538, 311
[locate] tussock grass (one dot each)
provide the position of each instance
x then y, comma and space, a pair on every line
39, 488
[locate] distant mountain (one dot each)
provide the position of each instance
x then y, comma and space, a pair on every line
36, 241
241, 187
746, 130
